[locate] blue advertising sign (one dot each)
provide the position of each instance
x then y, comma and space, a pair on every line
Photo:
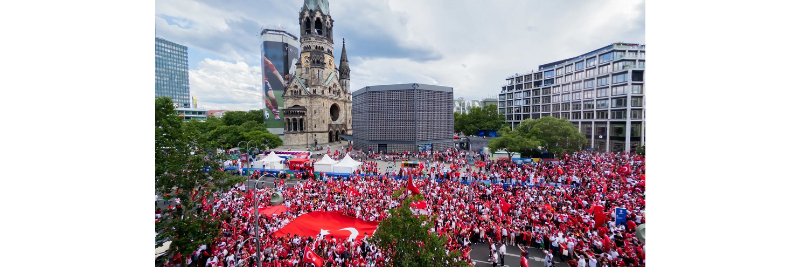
621, 215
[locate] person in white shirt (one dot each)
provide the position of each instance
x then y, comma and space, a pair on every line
581, 261
548, 258
592, 261
612, 254
494, 258
503, 254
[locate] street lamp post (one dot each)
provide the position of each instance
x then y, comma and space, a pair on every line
255, 209
247, 152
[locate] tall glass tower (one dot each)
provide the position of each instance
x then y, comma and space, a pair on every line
172, 72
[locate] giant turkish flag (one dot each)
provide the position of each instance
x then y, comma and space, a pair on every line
269, 210
331, 223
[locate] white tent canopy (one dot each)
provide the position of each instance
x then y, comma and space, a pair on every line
272, 161
347, 165
325, 164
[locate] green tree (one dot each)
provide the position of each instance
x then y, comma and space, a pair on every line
263, 139
185, 168
256, 116
554, 135
513, 142
486, 118
407, 240
640, 150
234, 118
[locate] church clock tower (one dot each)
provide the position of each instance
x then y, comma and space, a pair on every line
317, 101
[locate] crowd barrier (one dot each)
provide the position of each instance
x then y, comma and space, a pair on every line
337, 176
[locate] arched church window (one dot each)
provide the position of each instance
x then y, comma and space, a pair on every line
318, 27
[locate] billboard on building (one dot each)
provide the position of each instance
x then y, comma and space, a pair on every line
279, 53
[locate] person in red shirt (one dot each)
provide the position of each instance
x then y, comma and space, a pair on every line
523, 258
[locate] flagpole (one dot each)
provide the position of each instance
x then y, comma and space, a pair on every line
255, 209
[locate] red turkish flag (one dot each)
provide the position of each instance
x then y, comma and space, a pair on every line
599, 216
504, 205
269, 210
411, 186
353, 192
625, 169
419, 207
310, 257
333, 224
419, 204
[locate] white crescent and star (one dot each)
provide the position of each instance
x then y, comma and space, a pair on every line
353, 232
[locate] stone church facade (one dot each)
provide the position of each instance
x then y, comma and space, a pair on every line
317, 102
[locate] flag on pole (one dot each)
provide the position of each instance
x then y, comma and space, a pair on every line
310, 257
411, 186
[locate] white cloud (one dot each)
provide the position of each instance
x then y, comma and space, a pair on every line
224, 85
469, 45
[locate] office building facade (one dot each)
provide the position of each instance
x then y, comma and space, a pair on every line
601, 92
403, 117
172, 72
189, 114
463, 106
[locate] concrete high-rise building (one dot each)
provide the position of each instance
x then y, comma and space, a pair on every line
601, 92
172, 72
279, 54
404, 117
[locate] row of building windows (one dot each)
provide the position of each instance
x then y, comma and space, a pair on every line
601, 92
590, 62
589, 104
635, 76
590, 115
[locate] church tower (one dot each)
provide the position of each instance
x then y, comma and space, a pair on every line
344, 71
317, 101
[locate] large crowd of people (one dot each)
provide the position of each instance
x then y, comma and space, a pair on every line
563, 208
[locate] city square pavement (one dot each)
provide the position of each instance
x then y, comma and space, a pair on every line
480, 255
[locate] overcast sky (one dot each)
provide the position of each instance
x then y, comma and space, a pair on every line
469, 45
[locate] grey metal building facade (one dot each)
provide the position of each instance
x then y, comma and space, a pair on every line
403, 117
601, 92
172, 72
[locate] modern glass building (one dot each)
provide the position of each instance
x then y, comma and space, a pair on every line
172, 72
601, 92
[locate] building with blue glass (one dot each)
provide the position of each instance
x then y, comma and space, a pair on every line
172, 72
601, 92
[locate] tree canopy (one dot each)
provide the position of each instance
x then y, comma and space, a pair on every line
478, 118
553, 135
186, 169
235, 127
409, 241
513, 142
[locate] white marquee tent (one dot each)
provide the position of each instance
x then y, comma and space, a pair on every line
325, 164
347, 165
272, 161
